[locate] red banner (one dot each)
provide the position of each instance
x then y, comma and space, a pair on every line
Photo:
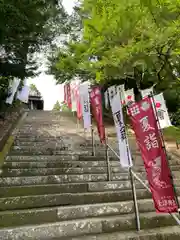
78, 102
69, 96
96, 103
158, 173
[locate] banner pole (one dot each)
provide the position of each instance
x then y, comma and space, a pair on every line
77, 123
136, 209
107, 160
164, 148
85, 136
92, 141
133, 186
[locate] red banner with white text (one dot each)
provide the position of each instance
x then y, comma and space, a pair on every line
158, 173
96, 104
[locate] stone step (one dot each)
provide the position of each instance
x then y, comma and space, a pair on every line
76, 228
137, 159
162, 233
36, 135
67, 188
7, 172
58, 164
39, 144
48, 152
115, 166
57, 146
57, 214
32, 139
66, 199
48, 158
31, 158
64, 178
13, 172
45, 147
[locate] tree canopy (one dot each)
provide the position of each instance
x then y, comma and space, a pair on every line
34, 91
26, 27
135, 42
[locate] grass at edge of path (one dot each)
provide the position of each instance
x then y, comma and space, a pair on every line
172, 133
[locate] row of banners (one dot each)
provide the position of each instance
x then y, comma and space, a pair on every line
144, 116
22, 94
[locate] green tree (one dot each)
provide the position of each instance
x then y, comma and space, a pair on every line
131, 41
57, 106
34, 90
25, 28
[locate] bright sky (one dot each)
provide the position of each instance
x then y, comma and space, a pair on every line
46, 83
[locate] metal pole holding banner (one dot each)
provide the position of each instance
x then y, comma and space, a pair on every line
107, 160
92, 141
164, 148
77, 123
136, 209
133, 187
131, 173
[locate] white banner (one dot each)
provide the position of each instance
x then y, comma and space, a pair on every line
121, 90
162, 111
106, 99
112, 92
129, 96
23, 95
13, 85
146, 92
84, 98
124, 151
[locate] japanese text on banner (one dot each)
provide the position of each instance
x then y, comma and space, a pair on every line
84, 95
124, 151
154, 157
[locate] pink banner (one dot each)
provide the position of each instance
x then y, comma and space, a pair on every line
158, 173
78, 102
65, 93
96, 103
69, 96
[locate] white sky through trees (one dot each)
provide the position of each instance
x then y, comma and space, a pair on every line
45, 83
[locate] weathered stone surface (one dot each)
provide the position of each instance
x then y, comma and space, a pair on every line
43, 215
13, 191
51, 231
46, 151
37, 158
68, 189
166, 233
57, 164
34, 201
51, 171
13, 172
86, 226
56, 179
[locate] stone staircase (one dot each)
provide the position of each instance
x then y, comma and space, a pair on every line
52, 189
